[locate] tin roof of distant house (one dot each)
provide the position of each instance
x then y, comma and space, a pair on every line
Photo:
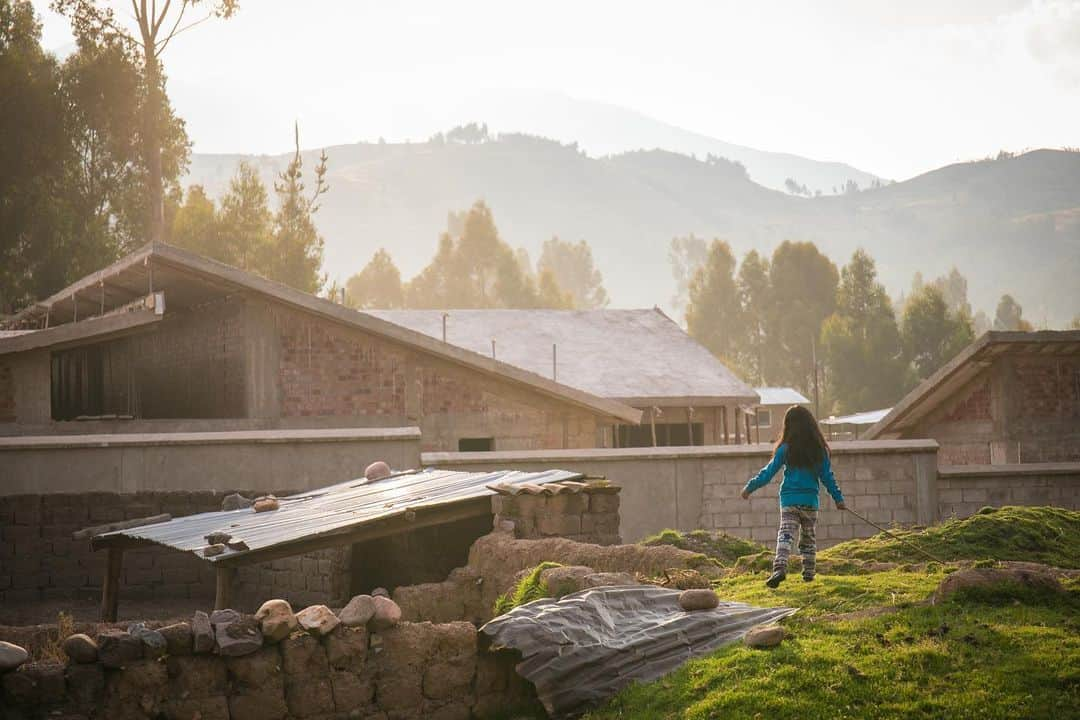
972, 360
122, 298
639, 357
781, 396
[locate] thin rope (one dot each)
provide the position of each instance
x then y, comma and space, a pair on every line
914, 547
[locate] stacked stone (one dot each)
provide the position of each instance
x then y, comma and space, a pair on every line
360, 663
585, 512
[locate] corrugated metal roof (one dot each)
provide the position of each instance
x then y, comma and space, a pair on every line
781, 396
332, 510
864, 418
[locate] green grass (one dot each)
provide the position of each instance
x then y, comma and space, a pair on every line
866, 643
530, 588
1037, 534
961, 659
720, 546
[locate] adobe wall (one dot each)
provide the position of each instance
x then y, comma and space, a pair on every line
329, 370
964, 489
1022, 409
689, 488
411, 671
39, 560
262, 460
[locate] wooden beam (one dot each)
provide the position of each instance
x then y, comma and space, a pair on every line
90, 532
110, 587
223, 589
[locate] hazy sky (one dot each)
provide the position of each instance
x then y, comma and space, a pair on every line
895, 88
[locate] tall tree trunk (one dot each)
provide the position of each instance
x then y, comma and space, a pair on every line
152, 149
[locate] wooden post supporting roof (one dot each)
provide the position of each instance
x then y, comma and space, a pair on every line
110, 587
223, 590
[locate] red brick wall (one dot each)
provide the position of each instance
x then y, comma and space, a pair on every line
332, 371
7, 393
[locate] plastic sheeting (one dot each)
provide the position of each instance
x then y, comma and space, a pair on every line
583, 648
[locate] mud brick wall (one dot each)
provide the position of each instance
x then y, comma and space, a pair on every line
327, 370
590, 515
412, 671
39, 560
7, 392
963, 490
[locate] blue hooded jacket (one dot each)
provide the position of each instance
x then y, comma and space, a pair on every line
800, 485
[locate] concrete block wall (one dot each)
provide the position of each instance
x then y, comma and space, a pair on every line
698, 487
7, 392
409, 672
315, 578
964, 489
262, 460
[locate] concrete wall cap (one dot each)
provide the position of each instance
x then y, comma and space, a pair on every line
333, 435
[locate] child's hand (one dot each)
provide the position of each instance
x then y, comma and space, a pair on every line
841, 506
745, 495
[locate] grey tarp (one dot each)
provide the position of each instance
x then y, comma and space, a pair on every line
581, 649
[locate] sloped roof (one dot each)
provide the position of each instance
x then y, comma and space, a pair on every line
331, 514
189, 280
972, 360
638, 357
863, 418
781, 396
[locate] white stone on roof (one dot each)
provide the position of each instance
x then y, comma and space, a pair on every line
636, 356
781, 396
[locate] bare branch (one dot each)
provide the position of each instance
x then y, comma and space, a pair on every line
174, 33
159, 19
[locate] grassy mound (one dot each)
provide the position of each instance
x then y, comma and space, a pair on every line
720, 546
866, 646
1037, 534
529, 588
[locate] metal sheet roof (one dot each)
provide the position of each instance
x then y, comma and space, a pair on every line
332, 510
781, 396
864, 418
636, 356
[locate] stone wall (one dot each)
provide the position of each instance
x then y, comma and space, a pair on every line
262, 460
39, 560
964, 489
698, 487
408, 672
7, 393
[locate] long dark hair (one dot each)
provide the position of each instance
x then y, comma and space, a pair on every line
806, 445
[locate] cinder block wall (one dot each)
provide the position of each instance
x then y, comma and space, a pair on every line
964, 489
698, 487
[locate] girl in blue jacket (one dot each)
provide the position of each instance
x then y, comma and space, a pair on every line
804, 455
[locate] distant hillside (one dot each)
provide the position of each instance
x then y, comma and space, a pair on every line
1010, 225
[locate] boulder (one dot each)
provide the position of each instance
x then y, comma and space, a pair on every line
764, 636
202, 634
117, 648
387, 614
11, 656
566, 579
377, 471
317, 619
276, 620
235, 501
380, 592
154, 645
266, 504
81, 648
698, 599
987, 579
178, 638
212, 550
236, 635
218, 537
358, 612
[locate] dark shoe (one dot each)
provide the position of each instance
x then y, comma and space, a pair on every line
808, 578
776, 578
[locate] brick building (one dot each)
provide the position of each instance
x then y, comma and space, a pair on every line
1008, 398
167, 341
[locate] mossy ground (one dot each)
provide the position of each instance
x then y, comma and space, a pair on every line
1036, 534
724, 548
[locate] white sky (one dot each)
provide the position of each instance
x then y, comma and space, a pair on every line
894, 88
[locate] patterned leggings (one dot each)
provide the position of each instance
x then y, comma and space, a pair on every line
793, 519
